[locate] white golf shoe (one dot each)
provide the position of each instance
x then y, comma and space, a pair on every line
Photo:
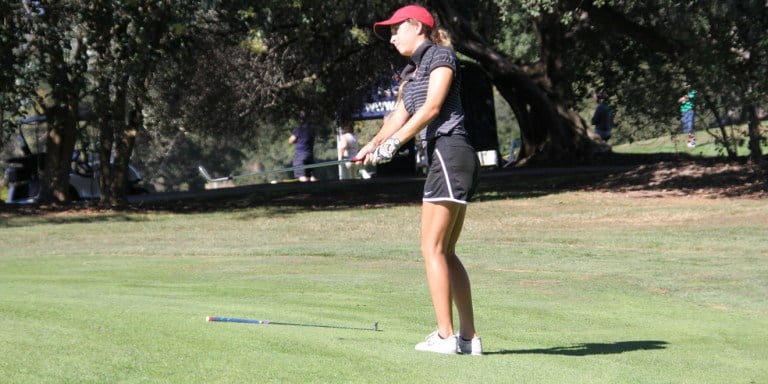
435, 343
472, 347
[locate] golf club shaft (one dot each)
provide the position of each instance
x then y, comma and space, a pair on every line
208, 177
266, 322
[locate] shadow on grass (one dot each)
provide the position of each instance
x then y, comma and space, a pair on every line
588, 349
292, 198
69, 217
610, 172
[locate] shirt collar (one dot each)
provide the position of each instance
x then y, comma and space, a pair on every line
415, 60
419, 52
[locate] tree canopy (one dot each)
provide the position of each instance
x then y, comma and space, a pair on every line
640, 52
239, 70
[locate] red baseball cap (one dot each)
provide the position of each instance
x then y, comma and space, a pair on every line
416, 12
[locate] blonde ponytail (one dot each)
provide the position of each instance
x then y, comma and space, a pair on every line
440, 36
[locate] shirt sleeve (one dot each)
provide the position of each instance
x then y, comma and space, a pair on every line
443, 57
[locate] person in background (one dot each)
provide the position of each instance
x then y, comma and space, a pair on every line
303, 137
688, 114
603, 117
430, 106
348, 147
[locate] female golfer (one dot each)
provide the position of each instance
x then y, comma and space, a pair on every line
430, 105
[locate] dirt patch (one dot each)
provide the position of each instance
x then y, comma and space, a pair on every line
702, 177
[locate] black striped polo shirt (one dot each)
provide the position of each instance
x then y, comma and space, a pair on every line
427, 57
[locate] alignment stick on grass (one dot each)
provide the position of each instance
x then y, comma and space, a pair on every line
375, 327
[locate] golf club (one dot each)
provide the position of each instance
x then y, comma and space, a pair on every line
209, 179
266, 322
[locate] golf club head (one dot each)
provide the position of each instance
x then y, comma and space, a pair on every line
204, 172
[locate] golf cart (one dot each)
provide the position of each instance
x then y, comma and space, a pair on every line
22, 173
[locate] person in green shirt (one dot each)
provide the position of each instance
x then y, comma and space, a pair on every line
687, 112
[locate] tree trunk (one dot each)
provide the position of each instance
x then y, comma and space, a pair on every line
117, 138
125, 139
62, 121
106, 142
552, 132
728, 144
755, 151
111, 132
59, 145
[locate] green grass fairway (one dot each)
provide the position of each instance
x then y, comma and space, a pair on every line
569, 288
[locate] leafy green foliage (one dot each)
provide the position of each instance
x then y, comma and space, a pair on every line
644, 54
9, 41
243, 70
640, 53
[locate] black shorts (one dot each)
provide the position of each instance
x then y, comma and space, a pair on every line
454, 170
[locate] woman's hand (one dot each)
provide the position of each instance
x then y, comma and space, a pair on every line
365, 153
386, 151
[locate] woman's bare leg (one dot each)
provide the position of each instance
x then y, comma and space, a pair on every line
437, 232
461, 289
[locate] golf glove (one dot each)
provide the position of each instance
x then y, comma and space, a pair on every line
385, 151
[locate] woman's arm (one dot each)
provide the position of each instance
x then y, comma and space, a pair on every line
439, 84
401, 127
392, 123
440, 80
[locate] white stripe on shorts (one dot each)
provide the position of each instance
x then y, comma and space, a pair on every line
445, 173
450, 197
